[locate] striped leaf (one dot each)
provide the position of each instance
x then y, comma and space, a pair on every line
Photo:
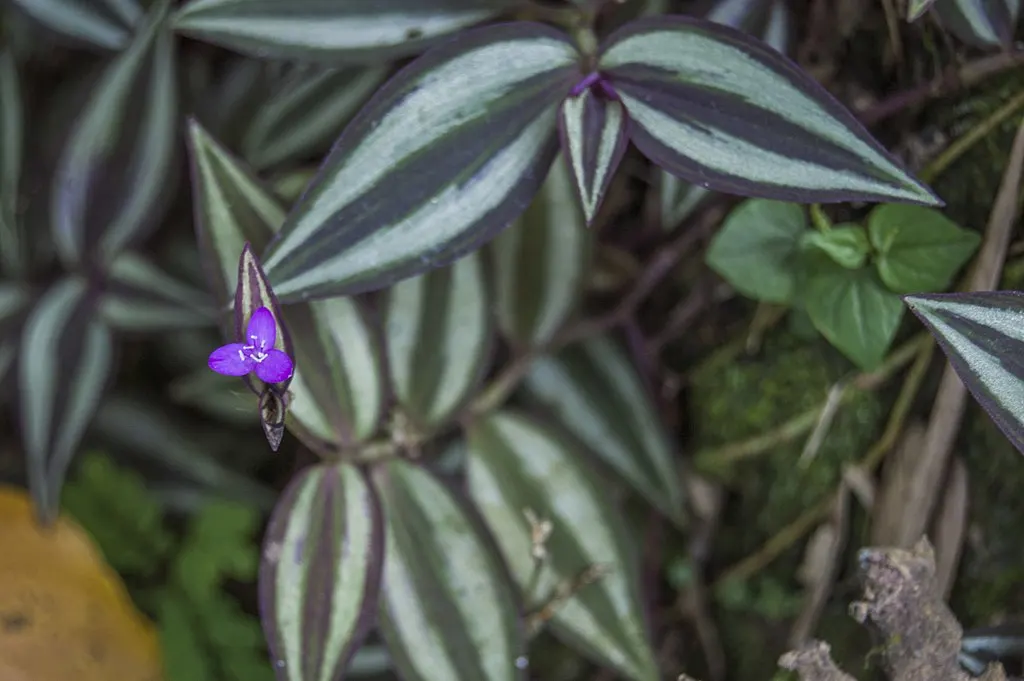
307, 113
65, 363
231, 209
516, 464
354, 30
438, 334
448, 609
341, 371
112, 180
444, 156
139, 296
12, 131
594, 391
720, 108
917, 8
541, 263
103, 23
770, 21
320, 574
336, 386
593, 132
982, 23
982, 335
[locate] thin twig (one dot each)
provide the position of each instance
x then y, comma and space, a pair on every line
958, 148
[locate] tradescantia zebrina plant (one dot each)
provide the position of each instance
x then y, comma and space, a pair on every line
469, 130
373, 535
415, 298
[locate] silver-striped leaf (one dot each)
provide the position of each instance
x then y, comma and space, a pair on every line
231, 209
65, 362
445, 155
342, 372
448, 608
540, 263
720, 108
768, 20
438, 333
982, 335
306, 113
104, 23
354, 30
516, 464
12, 132
981, 23
139, 296
336, 389
594, 391
113, 179
320, 574
593, 133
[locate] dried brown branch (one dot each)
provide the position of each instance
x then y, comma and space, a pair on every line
903, 605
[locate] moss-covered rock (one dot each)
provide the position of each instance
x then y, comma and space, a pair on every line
736, 398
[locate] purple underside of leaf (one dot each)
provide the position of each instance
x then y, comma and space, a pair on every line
275, 367
231, 360
262, 329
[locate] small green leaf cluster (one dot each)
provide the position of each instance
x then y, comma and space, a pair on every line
178, 577
848, 278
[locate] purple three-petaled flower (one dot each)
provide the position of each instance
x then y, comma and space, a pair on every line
258, 354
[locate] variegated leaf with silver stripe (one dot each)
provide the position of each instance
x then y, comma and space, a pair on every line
722, 109
982, 335
438, 333
320, 574
353, 30
517, 466
65, 363
593, 129
448, 608
444, 156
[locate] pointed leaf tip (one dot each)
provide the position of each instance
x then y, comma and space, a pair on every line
593, 131
468, 131
982, 336
718, 107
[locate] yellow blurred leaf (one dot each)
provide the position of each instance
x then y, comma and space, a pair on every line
64, 613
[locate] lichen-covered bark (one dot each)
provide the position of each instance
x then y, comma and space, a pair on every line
902, 604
